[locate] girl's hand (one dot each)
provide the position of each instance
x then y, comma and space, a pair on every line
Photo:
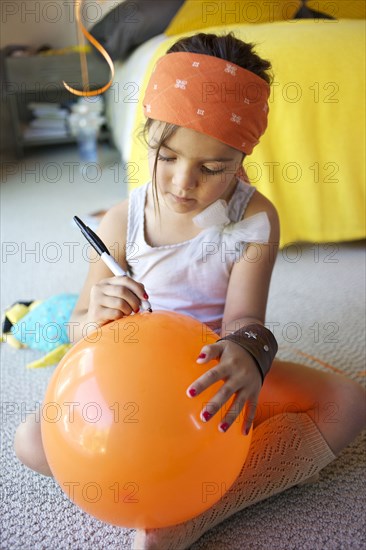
113, 298
242, 378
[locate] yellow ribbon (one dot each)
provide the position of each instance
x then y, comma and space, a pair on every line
84, 67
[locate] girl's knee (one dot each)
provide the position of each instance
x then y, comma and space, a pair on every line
353, 397
25, 441
28, 446
347, 403
340, 413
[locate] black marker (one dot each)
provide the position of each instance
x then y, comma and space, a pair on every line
105, 255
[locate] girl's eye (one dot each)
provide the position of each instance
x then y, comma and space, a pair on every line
204, 169
166, 159
210, 172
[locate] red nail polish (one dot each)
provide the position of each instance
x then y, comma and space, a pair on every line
201, 356
137, 310
192, 392
146, 296
224, 427
206, 415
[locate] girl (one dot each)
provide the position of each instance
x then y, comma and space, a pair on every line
191, 236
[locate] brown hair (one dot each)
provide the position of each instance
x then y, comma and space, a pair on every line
226, 47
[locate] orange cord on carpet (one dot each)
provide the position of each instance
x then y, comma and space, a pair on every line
320, 362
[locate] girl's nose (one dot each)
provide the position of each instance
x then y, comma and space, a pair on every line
184, 179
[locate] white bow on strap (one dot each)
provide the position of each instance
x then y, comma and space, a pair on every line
214, 215
254, 229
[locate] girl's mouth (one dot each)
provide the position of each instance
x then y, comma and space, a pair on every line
181, 200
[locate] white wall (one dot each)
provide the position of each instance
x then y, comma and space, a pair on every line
38, 22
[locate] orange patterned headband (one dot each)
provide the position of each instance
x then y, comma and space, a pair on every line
210, 95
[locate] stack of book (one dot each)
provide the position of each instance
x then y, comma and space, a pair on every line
49, 121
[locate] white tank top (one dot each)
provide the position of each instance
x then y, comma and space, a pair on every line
192, 277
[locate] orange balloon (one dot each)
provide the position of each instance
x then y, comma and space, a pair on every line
122, 438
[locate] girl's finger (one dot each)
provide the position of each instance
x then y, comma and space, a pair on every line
131, 284
249, 415
126, 304
217, 403
203, 382
235, 411
207, 353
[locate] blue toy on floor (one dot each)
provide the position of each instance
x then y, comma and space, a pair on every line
40, 325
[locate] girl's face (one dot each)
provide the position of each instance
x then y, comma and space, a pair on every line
193, 170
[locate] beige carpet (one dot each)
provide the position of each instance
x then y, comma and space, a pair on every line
316, 306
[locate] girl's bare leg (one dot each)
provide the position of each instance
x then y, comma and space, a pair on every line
304, 419
335, 403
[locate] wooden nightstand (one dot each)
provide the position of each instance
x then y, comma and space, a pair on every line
39, 79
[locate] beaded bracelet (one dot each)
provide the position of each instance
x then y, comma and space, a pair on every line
259, 342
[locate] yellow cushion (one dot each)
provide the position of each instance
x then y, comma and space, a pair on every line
195, 14
311, 161
340, 9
